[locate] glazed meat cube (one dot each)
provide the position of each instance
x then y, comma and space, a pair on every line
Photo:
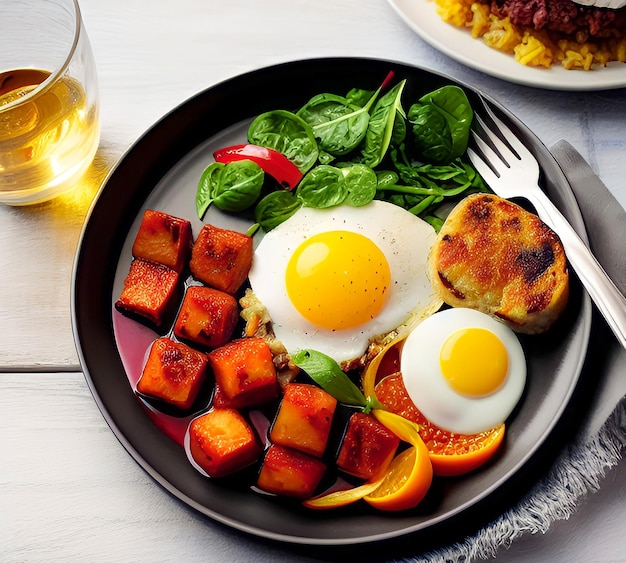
221, 258
244, 371
222, 442
241, 401
367, 448
290, 473
173, 373
207, 316
149, 289
304, 418
163, 239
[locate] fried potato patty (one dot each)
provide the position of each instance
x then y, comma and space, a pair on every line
494, 256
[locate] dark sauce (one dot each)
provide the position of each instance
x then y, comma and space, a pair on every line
133, 343
134, 340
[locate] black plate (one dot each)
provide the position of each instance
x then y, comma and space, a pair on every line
161, 171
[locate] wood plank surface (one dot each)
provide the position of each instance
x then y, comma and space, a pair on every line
68, 490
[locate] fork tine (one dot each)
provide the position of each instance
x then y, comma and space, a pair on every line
492, 158
502, 150
511, 138
482, 167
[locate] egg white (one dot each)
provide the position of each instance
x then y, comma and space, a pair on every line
432, 394
405, 241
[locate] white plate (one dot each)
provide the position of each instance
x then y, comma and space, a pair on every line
421, 16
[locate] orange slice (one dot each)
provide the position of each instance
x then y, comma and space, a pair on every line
343, 497
451, 454
410, 474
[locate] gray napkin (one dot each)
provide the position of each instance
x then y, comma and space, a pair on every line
605, 222
601, 440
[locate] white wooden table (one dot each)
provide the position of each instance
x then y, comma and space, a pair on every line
68, 490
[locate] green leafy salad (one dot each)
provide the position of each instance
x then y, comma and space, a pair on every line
348, 150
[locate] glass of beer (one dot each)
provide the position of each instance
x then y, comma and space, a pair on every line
49, 107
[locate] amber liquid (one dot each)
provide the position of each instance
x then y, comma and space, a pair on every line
46, 141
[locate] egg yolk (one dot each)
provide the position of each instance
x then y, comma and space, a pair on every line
474, 361
338, 279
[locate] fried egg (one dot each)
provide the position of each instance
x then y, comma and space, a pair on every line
332, 279
464, 370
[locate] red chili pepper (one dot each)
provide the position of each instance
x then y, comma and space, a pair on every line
271, 161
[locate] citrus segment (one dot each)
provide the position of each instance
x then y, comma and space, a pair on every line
451, 454
343, 497
387, 357
410, 474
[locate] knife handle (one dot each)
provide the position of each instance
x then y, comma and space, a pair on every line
603, 292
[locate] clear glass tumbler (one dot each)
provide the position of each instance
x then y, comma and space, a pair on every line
49, 106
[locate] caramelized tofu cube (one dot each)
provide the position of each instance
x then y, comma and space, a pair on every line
367, 448
149, 289
207, 316
290, 473
244, 371
173, 373
304, 419
222, 442
221, 258
163, 239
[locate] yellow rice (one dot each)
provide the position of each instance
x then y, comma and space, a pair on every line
530, 47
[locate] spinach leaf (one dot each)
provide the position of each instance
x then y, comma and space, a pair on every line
441, 122
239, 186
421, 187
322, 187
386, 178
275, 208
338, 125
325, 157
361, 183
398, 134
430, 133
230, 187
360, 97
287, 133
381, 126
207, 185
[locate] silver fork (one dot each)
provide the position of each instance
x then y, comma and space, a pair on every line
515, 173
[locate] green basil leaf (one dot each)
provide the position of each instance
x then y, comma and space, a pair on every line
329, 376
275, 208
207, 186
322, 187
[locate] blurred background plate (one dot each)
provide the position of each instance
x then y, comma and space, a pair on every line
421, 16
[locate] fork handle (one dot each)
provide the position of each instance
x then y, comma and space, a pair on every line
610, 302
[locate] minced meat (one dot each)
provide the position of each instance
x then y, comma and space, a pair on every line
562, 16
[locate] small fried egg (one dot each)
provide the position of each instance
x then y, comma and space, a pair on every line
464, 370
332, 279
